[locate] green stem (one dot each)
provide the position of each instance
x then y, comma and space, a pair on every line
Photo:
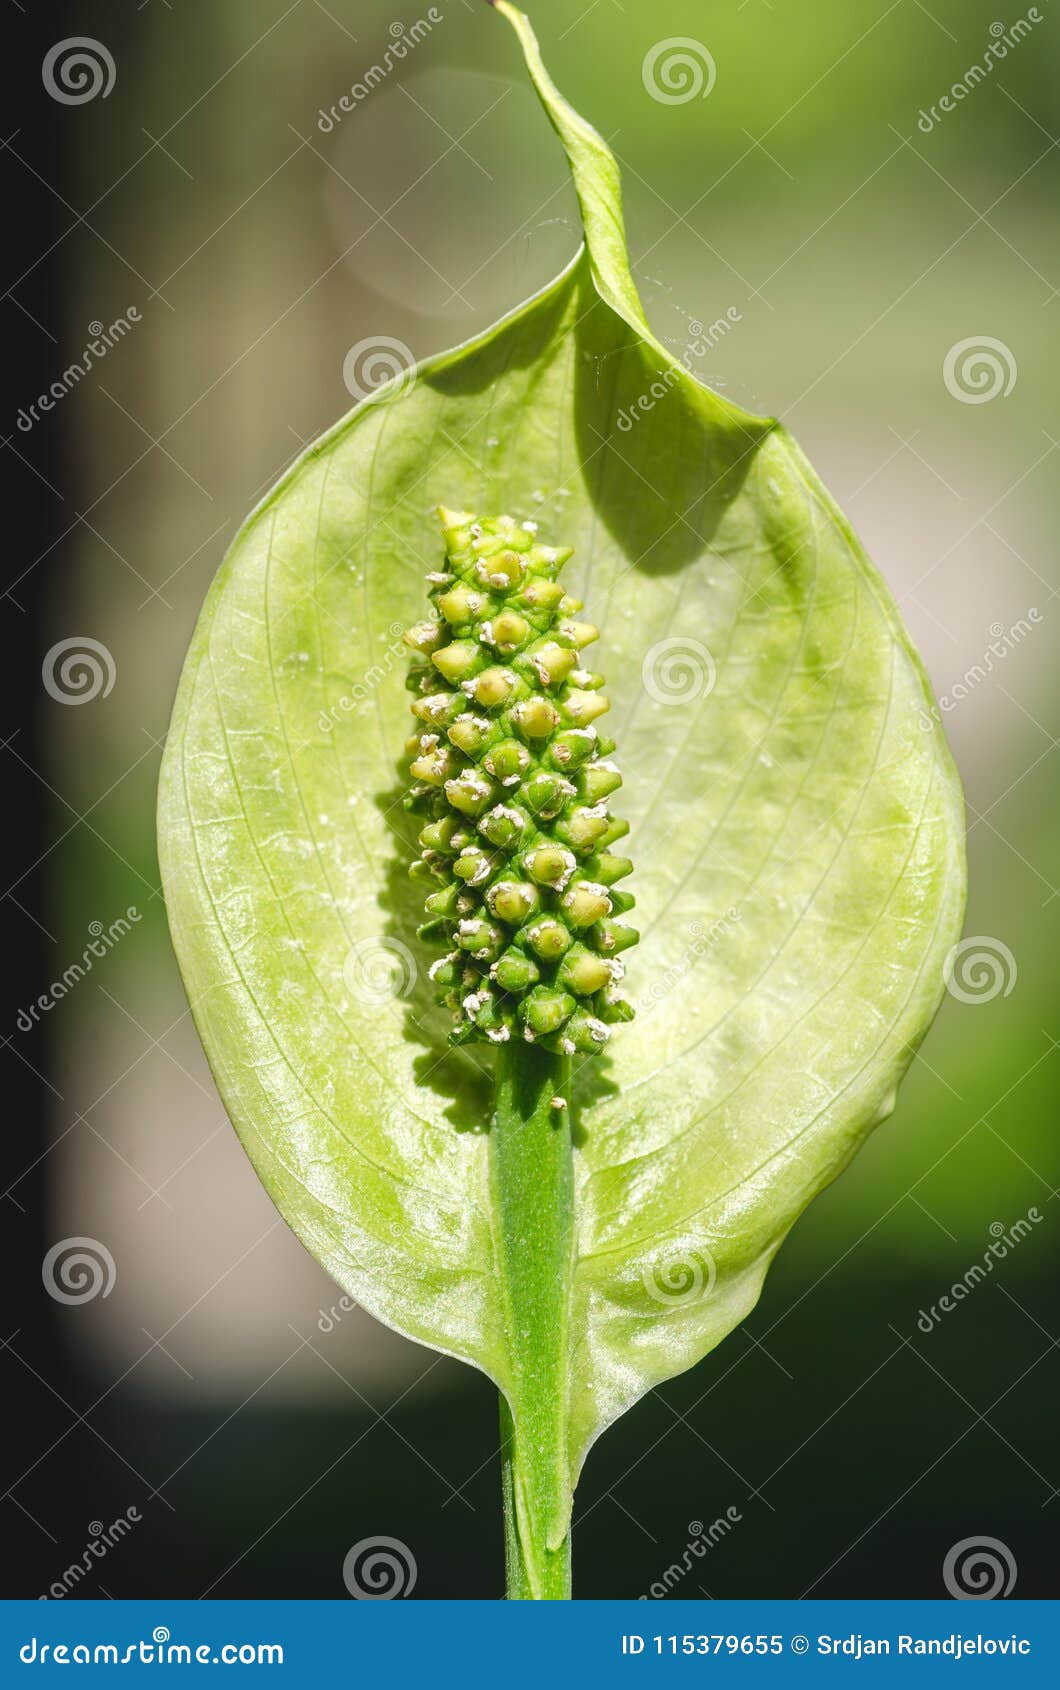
534, 1188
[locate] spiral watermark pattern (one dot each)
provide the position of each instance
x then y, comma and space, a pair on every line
976, 370
979, 969
78, 70
378, 970
684, 1277
979, 1569
376, 361
678, 671
678, 69
78, 1270
379, 1569
77, 670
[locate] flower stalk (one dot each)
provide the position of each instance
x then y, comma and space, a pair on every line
511, 778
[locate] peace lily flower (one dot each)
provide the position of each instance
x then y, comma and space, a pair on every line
609, 1211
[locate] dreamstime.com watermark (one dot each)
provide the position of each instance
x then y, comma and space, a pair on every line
373, 362
158, 1651
979, 969
78, 1270
379, 1569
77, 670
1005, 1240
101, 1539
701, 1540
101, 941
328, 720
328, 1319
979, 1569
1003, 641
402, 41
701, 940
102, 338
1004, 39
677, 671
677, 70
704, 338
684, 1274
978, 369
77, 70
376, 971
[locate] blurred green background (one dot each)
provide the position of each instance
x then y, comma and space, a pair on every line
258, 246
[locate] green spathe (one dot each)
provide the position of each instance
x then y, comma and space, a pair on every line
799, 865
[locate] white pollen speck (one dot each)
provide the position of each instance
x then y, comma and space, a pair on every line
570, 863
595, 886
322, 819
498, 1035
482, 869
530, 527
557, 1103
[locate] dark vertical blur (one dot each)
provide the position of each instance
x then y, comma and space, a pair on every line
40, 492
